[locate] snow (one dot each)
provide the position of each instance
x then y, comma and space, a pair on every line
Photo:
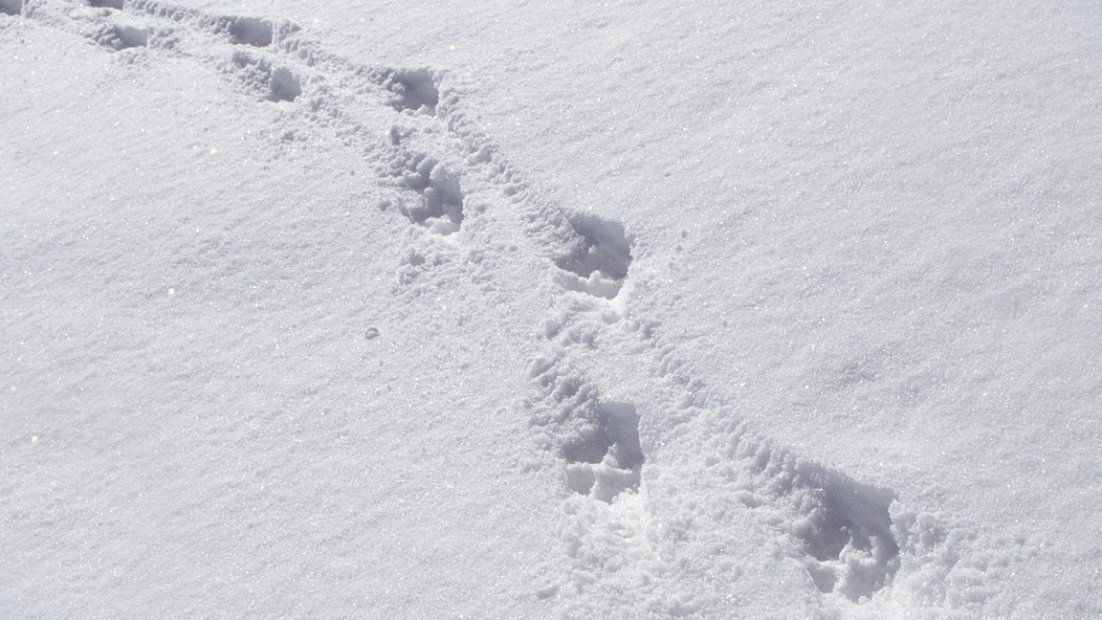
532, 309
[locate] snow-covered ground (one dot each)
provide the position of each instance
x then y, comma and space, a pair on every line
565, 309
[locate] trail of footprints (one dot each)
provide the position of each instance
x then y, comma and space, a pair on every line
843, 528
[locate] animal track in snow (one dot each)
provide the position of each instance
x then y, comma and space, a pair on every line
598, 439
606, 458
124, 36
597, 257
412, 89
11, 7
249, 31
843, 527
848, 534
239, 30
440, 197
274, 83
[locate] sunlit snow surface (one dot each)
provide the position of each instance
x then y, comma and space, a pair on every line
562, 309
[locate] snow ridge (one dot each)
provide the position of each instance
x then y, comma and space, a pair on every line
444, 175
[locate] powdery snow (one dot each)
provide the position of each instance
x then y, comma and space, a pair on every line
550, 310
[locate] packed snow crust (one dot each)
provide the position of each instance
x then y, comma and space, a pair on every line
578, 310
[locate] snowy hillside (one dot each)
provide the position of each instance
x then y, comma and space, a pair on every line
524, 309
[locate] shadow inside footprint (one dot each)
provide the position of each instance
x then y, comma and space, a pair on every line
598, 257
250, 31
122, 37
284, 85
441, 197
842, 527
848, 535
273, 83
412, 89
606, 458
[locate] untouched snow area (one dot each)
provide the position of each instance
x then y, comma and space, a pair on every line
550, 309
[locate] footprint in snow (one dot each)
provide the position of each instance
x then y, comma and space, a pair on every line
596, 258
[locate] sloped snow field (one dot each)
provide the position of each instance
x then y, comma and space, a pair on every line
561, 309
